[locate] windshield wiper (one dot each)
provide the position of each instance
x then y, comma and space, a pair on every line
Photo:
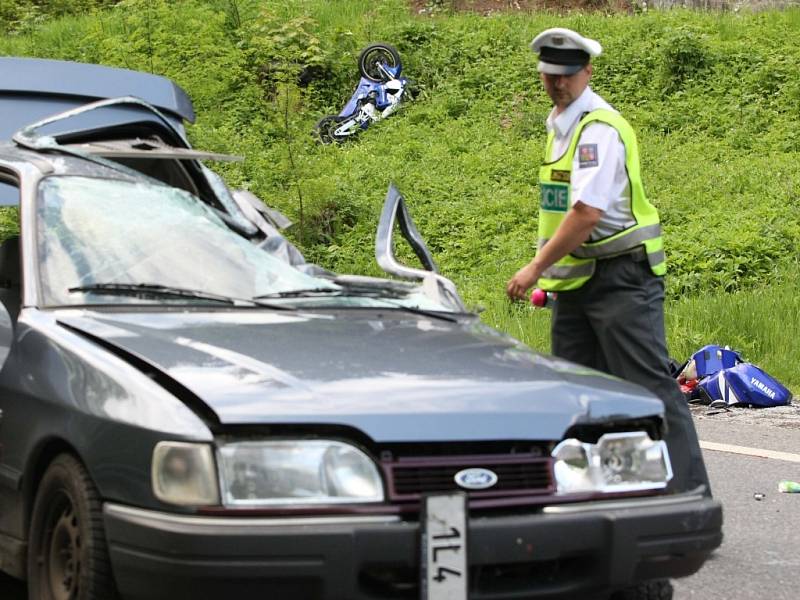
363, 292
157, 290
301, 292
385, 295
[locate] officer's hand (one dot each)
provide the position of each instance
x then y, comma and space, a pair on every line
525, 278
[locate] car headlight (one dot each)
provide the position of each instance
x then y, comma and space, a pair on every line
618, 462
297, 472
184, 473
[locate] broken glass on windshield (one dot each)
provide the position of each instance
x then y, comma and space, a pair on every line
108, 231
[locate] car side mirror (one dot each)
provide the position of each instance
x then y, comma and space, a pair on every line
395, 212
6, 334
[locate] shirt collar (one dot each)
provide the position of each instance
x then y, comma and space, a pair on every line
564, 122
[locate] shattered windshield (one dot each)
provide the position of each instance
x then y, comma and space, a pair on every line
108, 241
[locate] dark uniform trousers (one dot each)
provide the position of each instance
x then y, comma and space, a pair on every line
615, 323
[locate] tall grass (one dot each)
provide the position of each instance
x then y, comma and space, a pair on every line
351, 15
763, 324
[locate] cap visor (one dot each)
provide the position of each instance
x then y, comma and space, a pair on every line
553, 69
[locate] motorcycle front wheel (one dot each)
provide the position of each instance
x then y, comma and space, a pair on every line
374, 55
326, 127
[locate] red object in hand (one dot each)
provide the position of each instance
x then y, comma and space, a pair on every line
540, 298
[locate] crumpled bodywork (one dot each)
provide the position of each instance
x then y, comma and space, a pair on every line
396, 379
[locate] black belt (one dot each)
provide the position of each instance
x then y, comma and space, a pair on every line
637, 254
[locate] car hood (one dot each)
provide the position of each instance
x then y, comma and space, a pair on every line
397, 377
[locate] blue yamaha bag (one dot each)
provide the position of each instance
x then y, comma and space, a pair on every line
712, 359
719, 377
744, 385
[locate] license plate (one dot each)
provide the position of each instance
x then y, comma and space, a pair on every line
444, 547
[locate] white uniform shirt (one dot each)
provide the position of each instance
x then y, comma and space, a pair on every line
599, 178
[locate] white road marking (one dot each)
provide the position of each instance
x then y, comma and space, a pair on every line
760, 452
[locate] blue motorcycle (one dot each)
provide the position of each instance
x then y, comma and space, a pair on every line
377, 96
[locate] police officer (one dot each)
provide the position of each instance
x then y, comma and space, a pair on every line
600, 244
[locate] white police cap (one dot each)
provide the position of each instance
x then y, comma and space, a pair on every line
563, 51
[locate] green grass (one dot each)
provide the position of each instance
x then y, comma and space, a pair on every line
763, 324
715, 99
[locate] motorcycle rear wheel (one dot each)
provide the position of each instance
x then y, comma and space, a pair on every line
377, 53
326, 127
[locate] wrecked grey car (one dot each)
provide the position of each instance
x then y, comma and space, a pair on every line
190, 410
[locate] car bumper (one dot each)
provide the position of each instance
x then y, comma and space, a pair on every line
560, 551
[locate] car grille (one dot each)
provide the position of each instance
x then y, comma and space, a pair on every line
408, 478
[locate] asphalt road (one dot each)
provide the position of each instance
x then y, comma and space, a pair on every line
760, 555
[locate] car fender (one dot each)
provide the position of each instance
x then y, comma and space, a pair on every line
78, 396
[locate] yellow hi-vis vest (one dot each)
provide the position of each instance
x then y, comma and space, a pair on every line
575, 269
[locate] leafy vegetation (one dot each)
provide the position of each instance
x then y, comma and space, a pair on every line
714, 97
19, 16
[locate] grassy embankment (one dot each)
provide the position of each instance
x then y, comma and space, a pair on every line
714, 97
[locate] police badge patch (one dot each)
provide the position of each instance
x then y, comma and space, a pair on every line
559, 175
587, 155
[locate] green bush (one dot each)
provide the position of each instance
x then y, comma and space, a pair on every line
685, 59
19, 16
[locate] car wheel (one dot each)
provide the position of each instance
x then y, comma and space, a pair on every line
67, 554
659, 589
372, 55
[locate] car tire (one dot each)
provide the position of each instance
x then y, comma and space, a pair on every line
658, 589
67, 552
